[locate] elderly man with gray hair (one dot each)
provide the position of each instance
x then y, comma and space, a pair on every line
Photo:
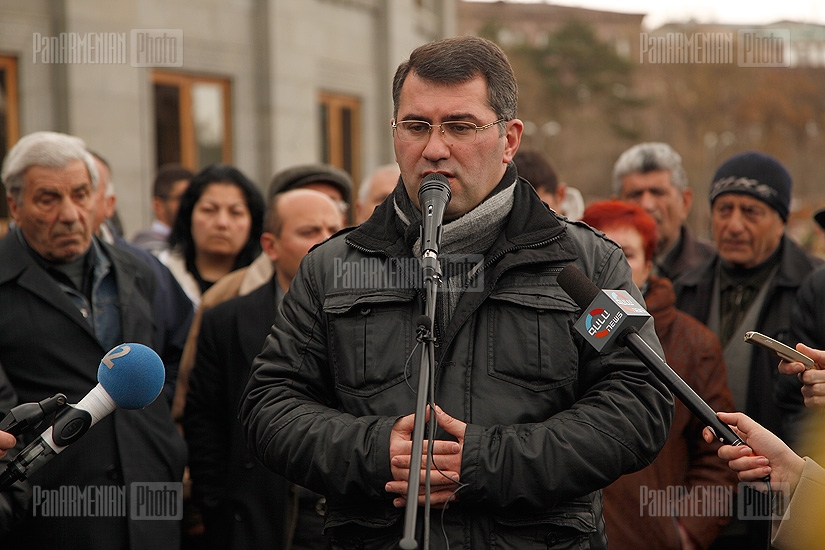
68, 298
651, 175
374, 189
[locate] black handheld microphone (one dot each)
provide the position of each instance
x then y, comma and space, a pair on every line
612, 317
433, 196
130, 376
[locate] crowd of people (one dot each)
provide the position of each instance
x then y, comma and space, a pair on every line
285, 420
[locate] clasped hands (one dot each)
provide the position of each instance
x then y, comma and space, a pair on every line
446, 467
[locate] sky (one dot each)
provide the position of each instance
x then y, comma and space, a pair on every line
708, 11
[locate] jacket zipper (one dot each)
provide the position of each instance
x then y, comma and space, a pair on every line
502, 253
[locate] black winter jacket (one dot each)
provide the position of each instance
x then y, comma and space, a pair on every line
774, 400
549, 420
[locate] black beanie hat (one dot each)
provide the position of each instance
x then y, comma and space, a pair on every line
758, 175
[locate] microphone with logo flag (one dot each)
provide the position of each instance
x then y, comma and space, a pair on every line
613, 317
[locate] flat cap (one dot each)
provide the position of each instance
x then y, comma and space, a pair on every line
298, 176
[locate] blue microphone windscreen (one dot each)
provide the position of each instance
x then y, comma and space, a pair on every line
132, 374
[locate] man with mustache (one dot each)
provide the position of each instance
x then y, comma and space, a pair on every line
750, 284
651, 175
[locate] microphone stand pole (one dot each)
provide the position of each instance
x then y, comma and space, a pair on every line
426, 393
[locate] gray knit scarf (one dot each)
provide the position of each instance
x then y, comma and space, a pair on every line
473, 233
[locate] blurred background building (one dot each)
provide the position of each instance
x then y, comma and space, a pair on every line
593, 83
268, 83
261, 84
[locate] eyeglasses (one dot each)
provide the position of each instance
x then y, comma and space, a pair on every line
453, 131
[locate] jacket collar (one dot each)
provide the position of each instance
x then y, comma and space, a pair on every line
530, 223
16, 263
794, 265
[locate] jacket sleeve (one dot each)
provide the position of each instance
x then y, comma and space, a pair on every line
617, 426
325, 450
801, 526
807, 321
807, 325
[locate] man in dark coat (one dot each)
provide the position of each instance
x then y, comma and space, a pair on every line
532, 422
244, 505
68, 299
750, 284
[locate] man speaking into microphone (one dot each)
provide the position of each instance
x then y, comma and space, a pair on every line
532, 421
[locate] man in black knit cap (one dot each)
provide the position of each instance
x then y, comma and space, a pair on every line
750, 285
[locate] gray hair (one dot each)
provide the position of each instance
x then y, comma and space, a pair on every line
458, 60
366, 183
47, 149
110, 186
649, 157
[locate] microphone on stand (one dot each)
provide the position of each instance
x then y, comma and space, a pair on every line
130, 376
433, 195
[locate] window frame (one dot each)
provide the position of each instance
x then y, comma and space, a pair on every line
8, 64
184, 83
333, 148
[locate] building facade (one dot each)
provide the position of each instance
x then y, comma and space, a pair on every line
261, 84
